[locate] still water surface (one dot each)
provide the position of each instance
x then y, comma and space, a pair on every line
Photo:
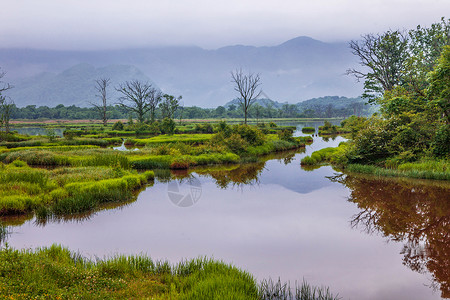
360, 236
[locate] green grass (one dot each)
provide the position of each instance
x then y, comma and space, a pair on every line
57, 273
164, 138
427, 168
410, 172
64, 190
308, 130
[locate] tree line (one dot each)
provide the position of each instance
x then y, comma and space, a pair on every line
72, 112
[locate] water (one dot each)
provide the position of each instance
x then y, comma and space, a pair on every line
37, 131
276, 219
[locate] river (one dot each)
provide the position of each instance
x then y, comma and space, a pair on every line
363, 237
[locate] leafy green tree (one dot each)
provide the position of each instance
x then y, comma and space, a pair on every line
439, 88
169, 105
382, 57
220, 111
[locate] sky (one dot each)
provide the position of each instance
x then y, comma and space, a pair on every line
210, 24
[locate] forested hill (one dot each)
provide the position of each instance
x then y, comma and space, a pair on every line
326, 107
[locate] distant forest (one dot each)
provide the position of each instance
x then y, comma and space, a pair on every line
325, 107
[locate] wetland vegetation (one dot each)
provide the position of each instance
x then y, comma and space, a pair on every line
52, 177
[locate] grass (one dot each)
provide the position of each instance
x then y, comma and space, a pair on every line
64, 190
409, 171
429, 168
308, 130
57, 273
269, 290
164, 138
77, 175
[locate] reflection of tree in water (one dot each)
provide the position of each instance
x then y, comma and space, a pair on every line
245, 174
410, 211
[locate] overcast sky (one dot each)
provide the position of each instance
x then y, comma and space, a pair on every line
106, 24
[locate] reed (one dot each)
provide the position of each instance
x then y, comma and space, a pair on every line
278, 290
37, 158
411, 173
55, 272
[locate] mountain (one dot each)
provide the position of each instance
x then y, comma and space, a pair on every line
74, 86
336, 101
264, 102
296, 70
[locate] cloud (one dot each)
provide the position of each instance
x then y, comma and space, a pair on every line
101, 24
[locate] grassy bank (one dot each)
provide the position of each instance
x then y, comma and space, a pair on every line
64, 190
57, 273
425, 168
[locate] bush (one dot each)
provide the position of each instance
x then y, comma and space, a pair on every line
286, 135
441, 143
167, 126
117, 126
251, 134
236, 143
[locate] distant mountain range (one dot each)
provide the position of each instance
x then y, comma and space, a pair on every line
299, 69
74, 86
337, 102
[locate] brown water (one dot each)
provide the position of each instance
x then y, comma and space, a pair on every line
363, 237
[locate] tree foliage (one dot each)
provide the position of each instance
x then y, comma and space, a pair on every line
414, 100
398, 58
169, 105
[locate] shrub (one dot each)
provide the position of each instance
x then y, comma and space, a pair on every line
236, 143
308, 160
441, 143
118, 126
167, 126
286, 135
251, 134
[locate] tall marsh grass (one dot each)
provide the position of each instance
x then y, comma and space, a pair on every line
55, 272
277, 290
84, 196
409, 171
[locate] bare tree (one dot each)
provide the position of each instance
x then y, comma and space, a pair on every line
4, 86
138, 97
5, 106
247, 86
100, 86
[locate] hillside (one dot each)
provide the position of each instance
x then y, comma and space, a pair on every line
74, 86
299, 69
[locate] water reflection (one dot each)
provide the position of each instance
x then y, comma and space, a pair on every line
38, 131
416, 213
